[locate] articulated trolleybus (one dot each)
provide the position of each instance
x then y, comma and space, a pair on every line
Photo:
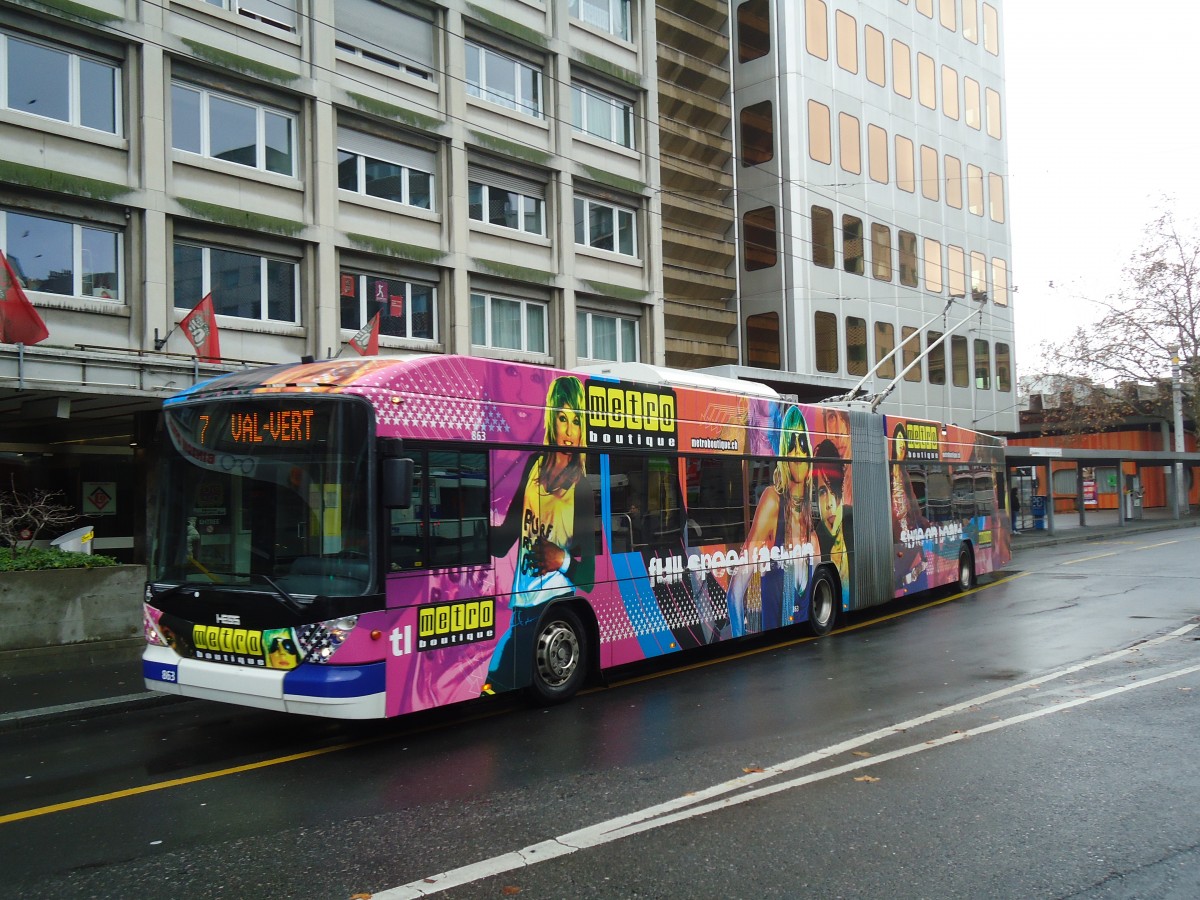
368, 538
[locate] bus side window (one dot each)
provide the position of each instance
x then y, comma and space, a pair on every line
646, 508
939, 506
715, 488
458, 508
448, 523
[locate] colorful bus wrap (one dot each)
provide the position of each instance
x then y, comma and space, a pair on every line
375, 537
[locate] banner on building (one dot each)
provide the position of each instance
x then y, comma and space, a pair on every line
200, 326
19, 321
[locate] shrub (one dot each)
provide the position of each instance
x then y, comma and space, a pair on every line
36, 559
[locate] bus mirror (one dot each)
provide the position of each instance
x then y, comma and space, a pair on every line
397, 483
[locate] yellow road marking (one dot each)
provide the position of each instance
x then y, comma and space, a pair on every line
1072, 562
176, 782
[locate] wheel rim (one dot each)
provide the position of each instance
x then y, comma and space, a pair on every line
964, 572
558, 652
822, 603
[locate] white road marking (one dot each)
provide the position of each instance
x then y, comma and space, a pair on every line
716, 797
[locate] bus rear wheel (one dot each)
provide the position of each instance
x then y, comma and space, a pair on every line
822, 610
560, 651
966, 569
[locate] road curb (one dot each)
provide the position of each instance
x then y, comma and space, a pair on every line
85, 709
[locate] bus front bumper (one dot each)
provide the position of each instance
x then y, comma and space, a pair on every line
336, 692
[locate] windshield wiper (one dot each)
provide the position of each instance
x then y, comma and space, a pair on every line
288, 600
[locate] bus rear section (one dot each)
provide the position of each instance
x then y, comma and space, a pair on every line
947, 507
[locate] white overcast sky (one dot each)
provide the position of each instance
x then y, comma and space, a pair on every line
1103, 114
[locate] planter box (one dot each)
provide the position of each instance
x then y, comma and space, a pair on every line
70, 606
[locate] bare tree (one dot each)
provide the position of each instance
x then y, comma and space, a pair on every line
32, 512
1156, 311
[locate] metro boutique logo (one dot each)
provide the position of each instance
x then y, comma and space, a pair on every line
447, 625
626, 415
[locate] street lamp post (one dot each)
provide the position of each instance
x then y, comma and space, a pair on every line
1181, 493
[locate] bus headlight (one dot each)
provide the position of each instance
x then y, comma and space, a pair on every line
320, 640
150, 627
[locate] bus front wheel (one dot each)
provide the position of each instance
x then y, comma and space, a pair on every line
966, 569
559, 656
822, 610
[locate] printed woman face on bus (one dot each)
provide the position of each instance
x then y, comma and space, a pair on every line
900, 442
568, 427
829, 501
795, 447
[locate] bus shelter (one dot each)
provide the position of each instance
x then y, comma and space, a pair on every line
1102, 481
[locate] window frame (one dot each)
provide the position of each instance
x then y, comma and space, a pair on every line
756, 126
479, 56
760, 238
983, 376
910, 351
849, 144
826, 348
753, 30
881, 252
620, 16
853, 251
935, 357
485, 204
363, 158
245, 8
846, 35
931, 258
585, 321
75, 82
619, 213
909, 265
261, 112
816, 29
264, 282
78, 250
857, 349
370, 49
363, 300
622, 117
885, 343
820, 133
960, 371
877, 154
525, 304
822, 237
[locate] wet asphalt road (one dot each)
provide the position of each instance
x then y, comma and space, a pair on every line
1035, 738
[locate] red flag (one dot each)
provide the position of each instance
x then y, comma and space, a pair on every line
366, 342
19, 321
200, 326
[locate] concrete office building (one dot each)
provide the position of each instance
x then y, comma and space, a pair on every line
484, 176
554, 181
871, 193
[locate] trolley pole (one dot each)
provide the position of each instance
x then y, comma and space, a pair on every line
1181, 492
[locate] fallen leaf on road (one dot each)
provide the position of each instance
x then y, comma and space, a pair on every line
751, 770
861, 753
867, 778
510, 890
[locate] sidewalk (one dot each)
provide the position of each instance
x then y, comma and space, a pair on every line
1102, 524
77, 680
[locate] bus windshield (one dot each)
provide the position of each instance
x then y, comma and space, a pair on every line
266, 492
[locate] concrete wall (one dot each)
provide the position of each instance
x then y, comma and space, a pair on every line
70, 606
